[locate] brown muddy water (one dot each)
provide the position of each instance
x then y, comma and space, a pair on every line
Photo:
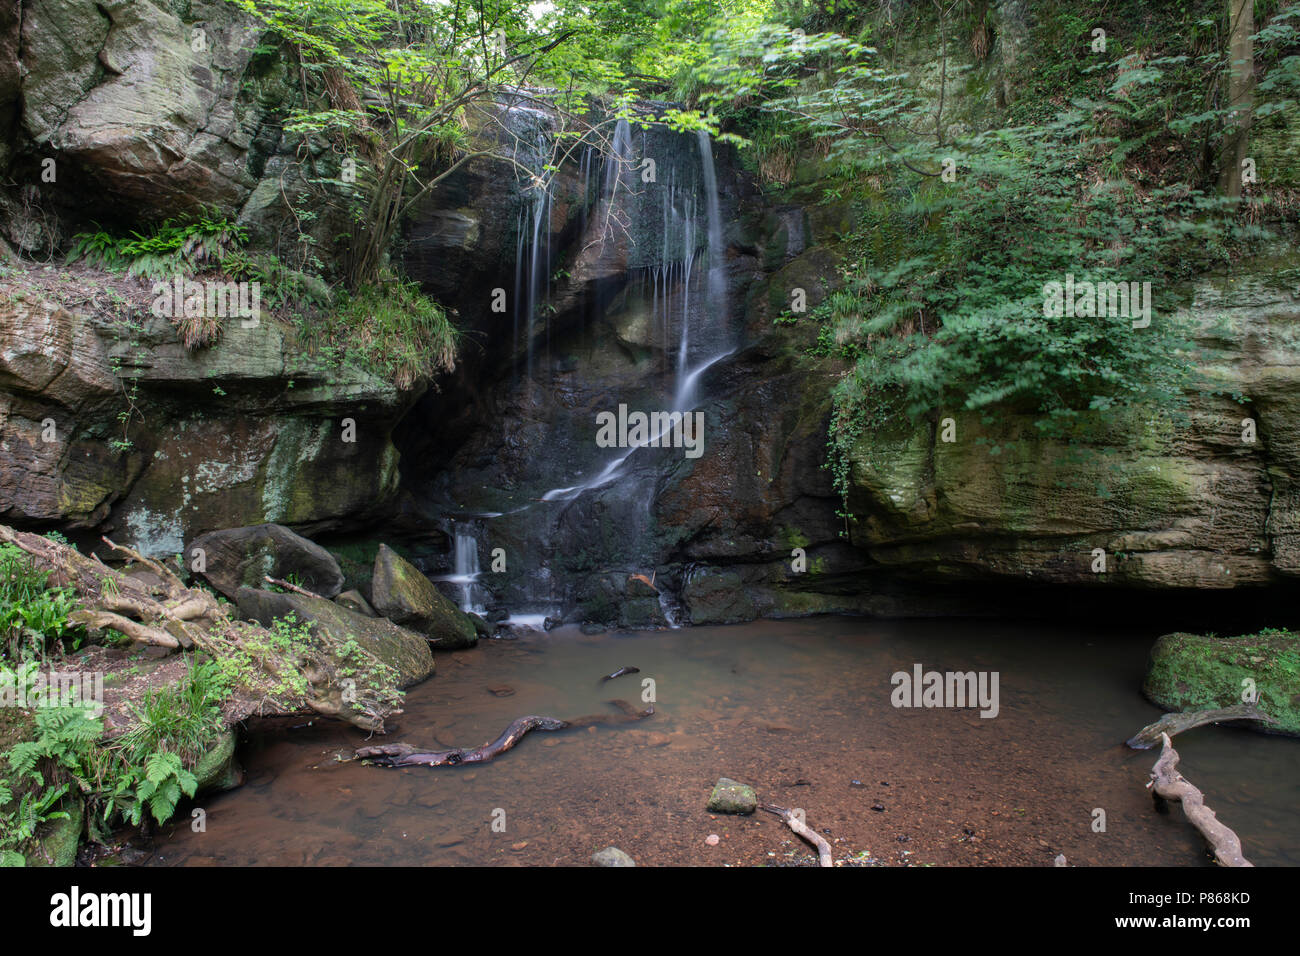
799, 709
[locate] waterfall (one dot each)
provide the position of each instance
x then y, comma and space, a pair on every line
676, 265
467, 572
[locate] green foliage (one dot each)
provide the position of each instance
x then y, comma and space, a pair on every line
32, 616
942, 302
281, 285
391, 93
148, 769
172, 248
41, 771
392, 330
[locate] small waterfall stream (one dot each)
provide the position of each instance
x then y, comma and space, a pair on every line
640, 306
679, 255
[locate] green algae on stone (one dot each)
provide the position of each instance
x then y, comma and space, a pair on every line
216, 769
58, 844
730, 796
401, 593
1199, 671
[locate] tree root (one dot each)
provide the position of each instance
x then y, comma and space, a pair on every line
164, 612
803, 830
1168, 784
1171, 724
404, 755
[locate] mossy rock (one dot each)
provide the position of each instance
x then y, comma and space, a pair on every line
217, 769
405, 596
719, 597
1198, 671
405, 651
58, 844
730, 796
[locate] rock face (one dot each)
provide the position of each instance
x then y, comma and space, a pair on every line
1197, 503
728, 796
110, 423
244, 557
1198, 672
403, 650
142, 100
401, 593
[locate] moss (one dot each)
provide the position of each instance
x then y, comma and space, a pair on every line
1195, 671
58, 843
215, 770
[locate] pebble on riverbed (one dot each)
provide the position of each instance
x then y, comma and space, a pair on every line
731, 797
611, 856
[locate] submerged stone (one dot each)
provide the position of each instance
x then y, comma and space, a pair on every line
611, 856
729, 796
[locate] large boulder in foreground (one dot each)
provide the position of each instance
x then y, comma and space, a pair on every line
245, 557
401, 593
1197, 671
404, 651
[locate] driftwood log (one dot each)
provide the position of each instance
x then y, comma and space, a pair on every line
803, 830
404, 755
1168, 784
1172, 724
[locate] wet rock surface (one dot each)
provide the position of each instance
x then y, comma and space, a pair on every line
244, 557
401, 593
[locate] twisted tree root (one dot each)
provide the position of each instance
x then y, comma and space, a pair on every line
1168, 784
404, 755
1149, 736
803, 830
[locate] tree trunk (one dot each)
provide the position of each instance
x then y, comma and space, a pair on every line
1241, 84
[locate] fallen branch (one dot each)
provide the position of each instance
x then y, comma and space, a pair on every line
404, 755
1168, 784
803, 830
293, 587
1172, 724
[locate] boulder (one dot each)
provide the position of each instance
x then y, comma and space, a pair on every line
401, 593
245, 557
731, 797
611, 856
353, 600
1199, 672
403, 650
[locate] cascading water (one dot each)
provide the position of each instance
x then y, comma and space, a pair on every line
466, 576
642, 316
678, 236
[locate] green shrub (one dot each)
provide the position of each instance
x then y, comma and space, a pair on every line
392, 330
171, 248
32, 615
